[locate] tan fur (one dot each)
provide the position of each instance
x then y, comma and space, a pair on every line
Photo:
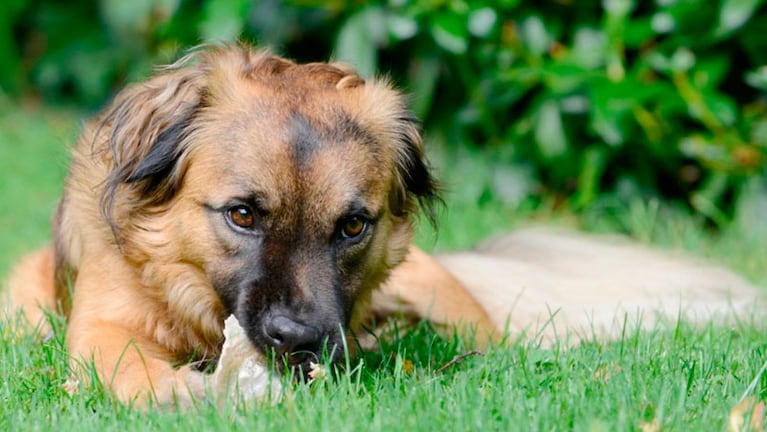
422, 288
144, 241
31, 290
564, 286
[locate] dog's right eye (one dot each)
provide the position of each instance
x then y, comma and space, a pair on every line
353, 227
242, 216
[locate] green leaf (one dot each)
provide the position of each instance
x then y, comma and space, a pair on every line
702, 148
733, 14
592, 168
511, 183
10, 60
759, 133
663, 22
423, 76
589, 48
223, 20
126, 16
611, 105
637, 31
508, 4
606, 124
757, 78
751, 208
401, 27
709, 71
659, 62
549, 132
708, 199
618, 7
536, 37
563, 78
722, 107
682, 60
450, 33
482, 21
359, 38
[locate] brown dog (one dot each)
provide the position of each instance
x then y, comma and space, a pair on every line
232, 182
239, 182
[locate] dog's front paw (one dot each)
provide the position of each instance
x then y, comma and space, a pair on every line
185, 387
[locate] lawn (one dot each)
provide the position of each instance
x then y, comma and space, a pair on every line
678, 378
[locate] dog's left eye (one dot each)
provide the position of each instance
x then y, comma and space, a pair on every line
353, 227
242, 216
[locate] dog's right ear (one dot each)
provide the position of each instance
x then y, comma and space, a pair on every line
146, 130
417, 185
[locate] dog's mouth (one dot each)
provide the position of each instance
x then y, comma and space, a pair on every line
295, 353
294, 345
302, 363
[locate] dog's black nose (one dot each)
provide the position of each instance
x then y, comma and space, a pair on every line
287, 336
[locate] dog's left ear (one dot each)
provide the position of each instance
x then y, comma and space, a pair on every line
417, 186
145, 129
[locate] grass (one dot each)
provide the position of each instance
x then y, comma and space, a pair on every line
33, 159
684, 378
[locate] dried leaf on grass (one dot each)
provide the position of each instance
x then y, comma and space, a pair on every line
458, 359
604, 372
71, 385
317, 372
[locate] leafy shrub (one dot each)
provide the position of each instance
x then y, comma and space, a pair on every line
591, 98
596, 96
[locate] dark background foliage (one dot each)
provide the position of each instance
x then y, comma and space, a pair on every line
581, 102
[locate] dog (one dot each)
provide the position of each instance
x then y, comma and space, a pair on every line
238, 182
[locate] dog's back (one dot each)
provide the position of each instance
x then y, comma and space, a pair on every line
551, 284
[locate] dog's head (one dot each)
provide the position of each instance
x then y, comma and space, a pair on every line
289, 189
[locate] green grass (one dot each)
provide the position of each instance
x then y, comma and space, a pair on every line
686, 378
33, 155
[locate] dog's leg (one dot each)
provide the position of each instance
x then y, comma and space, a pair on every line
113, 326
30, 289
134, 371
421, 288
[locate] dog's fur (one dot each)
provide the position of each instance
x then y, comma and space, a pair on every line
146, 236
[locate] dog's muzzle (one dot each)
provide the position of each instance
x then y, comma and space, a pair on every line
296, 343
287, 336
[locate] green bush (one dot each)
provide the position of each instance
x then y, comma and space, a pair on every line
586, 99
